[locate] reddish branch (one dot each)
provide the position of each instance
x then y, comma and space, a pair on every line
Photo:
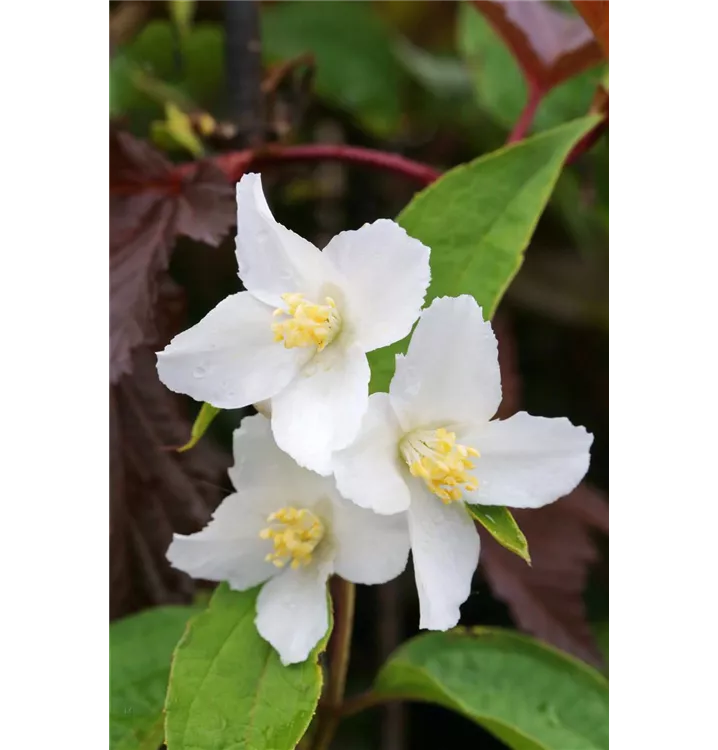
587, 142
235, 164
527, 115
525, 120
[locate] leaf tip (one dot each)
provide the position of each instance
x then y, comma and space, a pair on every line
188, 445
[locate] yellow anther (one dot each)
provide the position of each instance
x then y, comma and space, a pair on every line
295, 533
305, 323
436, 457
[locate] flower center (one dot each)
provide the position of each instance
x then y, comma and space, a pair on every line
306, 324
294, 533
436, 457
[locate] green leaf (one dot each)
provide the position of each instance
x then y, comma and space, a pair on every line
382, 363
478, 219
177, 132
147, 72
228, 688
182, 13
587, 224
444, 76
499, 85
203, 55
530, 696
151, 52
600, 630
356, 69
140, 654
502, 526
206, 414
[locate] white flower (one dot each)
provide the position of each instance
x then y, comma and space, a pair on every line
299, 335
288, 528
427, 447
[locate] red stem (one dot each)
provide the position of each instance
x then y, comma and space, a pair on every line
236, 163
587, 142
535, 94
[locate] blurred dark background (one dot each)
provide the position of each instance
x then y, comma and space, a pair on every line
432, 81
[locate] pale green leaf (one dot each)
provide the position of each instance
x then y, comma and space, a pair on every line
140, 654
176, 132
182, 13
502, 526
205, 417
228, 688
529, 695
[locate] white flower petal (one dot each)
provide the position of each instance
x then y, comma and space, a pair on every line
230, 359
292, 612
370, 471
272, 259
528, 462
229, 547
264, 407
369, 548
262, 469
445, 549
450, 373
322, 409
387, 273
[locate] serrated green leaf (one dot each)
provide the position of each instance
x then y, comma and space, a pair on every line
140, 654
356, 69
206, 414
478, 218
502, 526
529, 695
228, 688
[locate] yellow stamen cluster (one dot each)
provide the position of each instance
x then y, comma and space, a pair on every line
436, 457
306, 324
295, 534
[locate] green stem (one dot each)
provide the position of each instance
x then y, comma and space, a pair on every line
339, 651
363, 701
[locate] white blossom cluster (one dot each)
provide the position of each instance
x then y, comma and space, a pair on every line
335, 481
